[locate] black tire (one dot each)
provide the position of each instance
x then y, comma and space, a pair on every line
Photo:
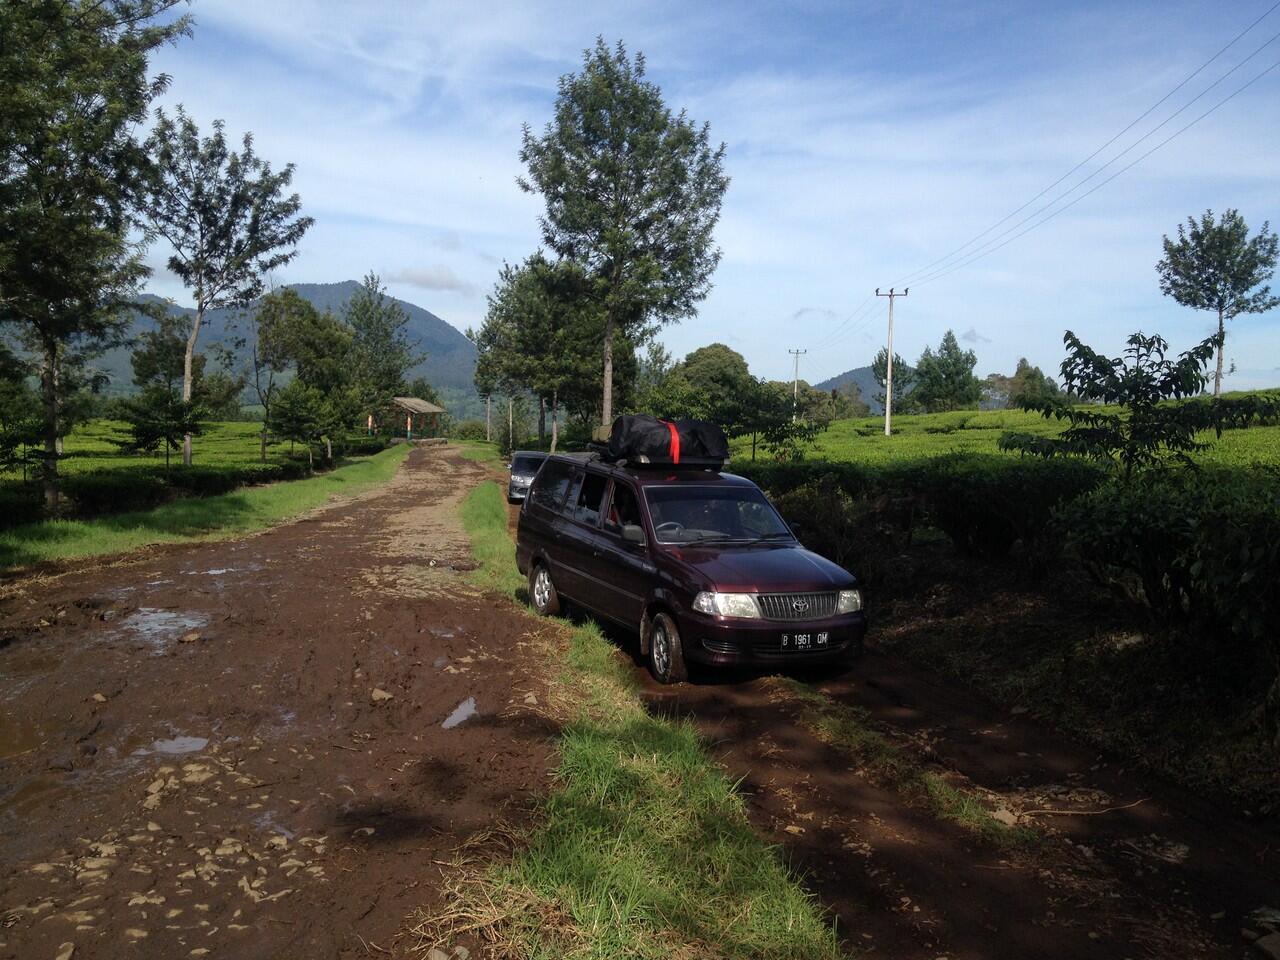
666, 654
545, 601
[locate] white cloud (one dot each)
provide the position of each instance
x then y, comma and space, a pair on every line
862, 144
432, 278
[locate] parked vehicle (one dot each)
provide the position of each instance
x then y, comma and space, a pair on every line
698, 561
524, 466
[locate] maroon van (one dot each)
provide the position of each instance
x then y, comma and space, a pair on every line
697, 560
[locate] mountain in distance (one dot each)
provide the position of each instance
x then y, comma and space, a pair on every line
865, 380
449, 364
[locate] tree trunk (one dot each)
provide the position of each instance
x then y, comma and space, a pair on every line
555, 432
488, 420
1222, 333
542, 422
511, 424
264, 435
188, 360
311, 460
49, 425
753, 445
328, 449
606, 412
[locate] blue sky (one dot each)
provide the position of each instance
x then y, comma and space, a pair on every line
865, 141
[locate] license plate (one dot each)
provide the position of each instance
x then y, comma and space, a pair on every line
805, 641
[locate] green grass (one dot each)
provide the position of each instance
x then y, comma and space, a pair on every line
482, 451
643, 847
850, 729
231, 443
917, 436
205, 518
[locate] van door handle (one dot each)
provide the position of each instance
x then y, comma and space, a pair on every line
596, 554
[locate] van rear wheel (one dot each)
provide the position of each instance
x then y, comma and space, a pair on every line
546, 601
666, 654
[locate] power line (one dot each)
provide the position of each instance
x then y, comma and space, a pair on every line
951, 269
994, 242
1191, 76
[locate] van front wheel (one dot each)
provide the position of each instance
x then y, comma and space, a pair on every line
666, 655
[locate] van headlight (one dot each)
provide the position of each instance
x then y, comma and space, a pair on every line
727, 604
850, 601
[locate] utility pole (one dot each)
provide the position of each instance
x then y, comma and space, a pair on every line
795, 383
888, 368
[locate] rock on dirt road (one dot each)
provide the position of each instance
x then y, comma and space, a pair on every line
254, 749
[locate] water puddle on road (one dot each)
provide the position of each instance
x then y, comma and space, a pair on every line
174, 746
461, 713
160, 627
18, 736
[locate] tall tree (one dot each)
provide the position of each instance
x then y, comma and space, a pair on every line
719, 375
225, 216
1215, 265
632, 195
945, 380
904, 379
73, 87
381, 351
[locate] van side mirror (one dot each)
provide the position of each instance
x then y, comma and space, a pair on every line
632, 533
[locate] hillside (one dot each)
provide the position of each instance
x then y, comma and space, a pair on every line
865, 380
449, 363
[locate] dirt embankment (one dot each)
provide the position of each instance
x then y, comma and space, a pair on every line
258, 748
1124, 866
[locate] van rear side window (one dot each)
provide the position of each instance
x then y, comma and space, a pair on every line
591, 499
551, 484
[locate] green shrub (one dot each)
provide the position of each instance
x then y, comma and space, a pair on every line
468, 430
985, 503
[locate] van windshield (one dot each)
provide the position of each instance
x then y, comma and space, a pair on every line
525, 463
696, 514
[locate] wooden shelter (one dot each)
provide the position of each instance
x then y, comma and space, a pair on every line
416, 413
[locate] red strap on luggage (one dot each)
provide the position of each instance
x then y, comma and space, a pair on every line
675, 441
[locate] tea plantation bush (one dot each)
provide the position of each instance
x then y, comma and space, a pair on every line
1197, 548
985, 503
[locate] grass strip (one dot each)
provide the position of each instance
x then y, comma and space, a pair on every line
850, 729
482, 451
643, 847
197, 518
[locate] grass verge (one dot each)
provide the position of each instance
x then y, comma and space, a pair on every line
202, 518
482, 451
643, 848
850, 729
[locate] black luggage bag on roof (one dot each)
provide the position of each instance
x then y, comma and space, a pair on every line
640, 438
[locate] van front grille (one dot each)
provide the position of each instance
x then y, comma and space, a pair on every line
797, 606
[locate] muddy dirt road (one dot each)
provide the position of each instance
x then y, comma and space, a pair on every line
1169, 876
258, 748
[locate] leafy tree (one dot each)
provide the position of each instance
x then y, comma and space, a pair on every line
299, 415
267, 355
774, 422
219, 395
73, 87
225, 216
632, 196
1217, 266
159, 416
720, 378
540, 335
904, 379
1029, 385
945, 380
19, 414
381, 352
1147, 430
848, 401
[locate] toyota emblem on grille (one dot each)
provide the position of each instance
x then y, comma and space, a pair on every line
799, 606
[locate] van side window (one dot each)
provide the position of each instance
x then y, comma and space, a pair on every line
623, 508
591, 498
551, 484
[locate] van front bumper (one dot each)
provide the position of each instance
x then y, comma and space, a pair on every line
728, 641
